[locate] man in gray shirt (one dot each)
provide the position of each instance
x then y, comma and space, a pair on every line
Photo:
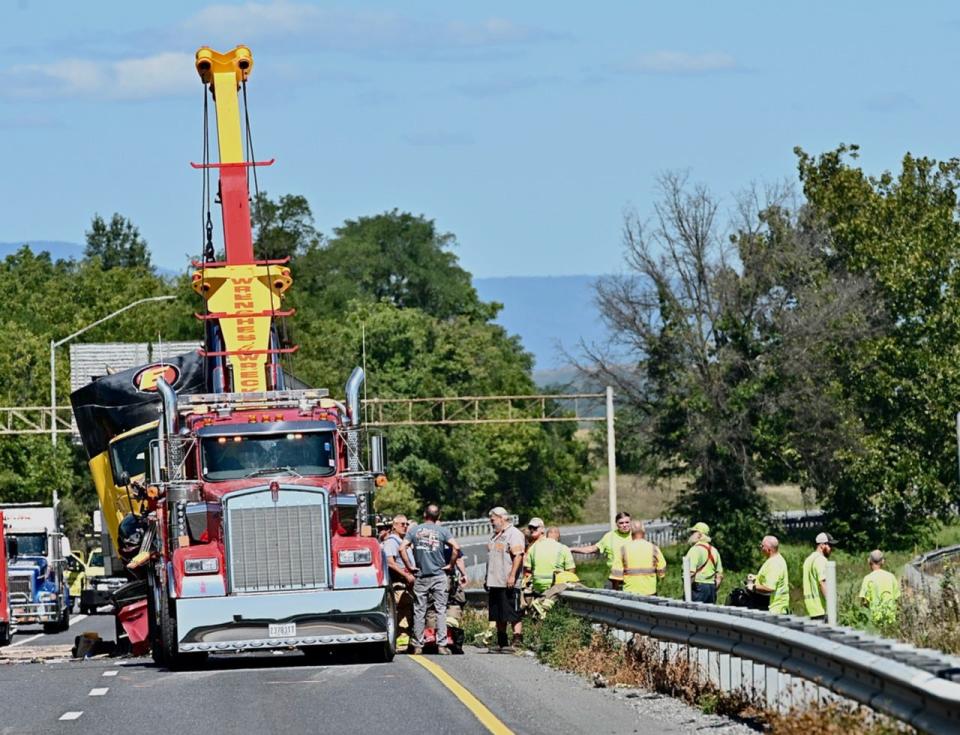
430, 568
505, 549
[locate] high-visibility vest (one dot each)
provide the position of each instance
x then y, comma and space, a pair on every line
610, 546
881, 590
704, 562
814, 570
642, 561
546, 557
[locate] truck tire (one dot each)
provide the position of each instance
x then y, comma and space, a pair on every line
6, 636
385, 652
59, 625
163, 630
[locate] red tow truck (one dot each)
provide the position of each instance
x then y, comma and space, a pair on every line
252, 528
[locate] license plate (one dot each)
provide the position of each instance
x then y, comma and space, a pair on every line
283, 630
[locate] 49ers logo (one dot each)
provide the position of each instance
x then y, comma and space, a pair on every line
146, 379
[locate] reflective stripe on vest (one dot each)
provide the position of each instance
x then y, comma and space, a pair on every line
641, 559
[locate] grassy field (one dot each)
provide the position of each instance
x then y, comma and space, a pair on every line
637, 496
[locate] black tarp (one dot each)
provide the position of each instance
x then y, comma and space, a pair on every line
123, 401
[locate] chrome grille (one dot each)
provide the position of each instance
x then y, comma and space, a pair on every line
277, 546
21, 588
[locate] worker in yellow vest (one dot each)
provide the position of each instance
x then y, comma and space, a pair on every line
643, 562
610, 546
706, 567
815, 577
880, 591
772, 580
545, 558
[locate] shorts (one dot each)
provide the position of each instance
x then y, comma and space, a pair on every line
504, 604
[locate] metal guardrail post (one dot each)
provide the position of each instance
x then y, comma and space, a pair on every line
687, 581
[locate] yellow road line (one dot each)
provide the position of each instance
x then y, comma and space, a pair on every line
486, 717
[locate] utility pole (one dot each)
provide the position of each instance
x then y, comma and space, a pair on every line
611, 460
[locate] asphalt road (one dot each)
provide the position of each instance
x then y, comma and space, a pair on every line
28, 635
285, 693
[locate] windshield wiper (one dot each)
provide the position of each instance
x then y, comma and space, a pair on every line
260, 471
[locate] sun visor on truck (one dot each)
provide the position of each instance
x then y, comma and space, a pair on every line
125, 400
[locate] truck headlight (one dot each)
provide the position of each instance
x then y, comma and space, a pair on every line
354, 557
201, 566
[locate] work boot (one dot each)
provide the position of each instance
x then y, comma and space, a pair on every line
517, 641
443, 651
416, 651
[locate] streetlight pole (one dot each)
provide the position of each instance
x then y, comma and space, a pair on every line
53, 355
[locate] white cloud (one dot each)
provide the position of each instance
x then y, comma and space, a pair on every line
348, 30
160, 75
679, 62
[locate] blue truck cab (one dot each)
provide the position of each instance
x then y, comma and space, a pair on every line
38, 590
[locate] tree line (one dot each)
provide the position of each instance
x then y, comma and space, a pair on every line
811, 336
389, 283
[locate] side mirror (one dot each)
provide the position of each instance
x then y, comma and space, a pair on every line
378, 454
13, 547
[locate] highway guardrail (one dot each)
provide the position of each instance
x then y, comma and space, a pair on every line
785, 660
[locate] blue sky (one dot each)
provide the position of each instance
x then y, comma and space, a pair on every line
524, 128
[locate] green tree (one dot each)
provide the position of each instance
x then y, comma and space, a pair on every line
530, 468
717, 342
395, 257
116, 245
282, 228
901, 384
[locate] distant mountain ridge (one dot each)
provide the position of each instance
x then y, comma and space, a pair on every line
552, 314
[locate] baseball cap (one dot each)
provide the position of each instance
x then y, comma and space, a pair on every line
876, 556
498, 511
825, 538
701, 528
535, 522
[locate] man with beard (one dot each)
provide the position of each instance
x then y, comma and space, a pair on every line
815, 577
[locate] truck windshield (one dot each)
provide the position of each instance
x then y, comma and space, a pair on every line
31, 544
128, 455
261, 455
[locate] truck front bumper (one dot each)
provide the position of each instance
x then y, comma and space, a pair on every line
43, 612
319, 618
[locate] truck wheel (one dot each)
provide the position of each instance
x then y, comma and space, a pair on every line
5, 635
163, 630
64, 623
388, 649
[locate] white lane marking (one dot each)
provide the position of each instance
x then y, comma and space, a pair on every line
27, 640
110, 673
99, 691
71, 715
73, 620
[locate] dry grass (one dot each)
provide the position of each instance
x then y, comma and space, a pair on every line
834, 719
567, 642
642, 499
